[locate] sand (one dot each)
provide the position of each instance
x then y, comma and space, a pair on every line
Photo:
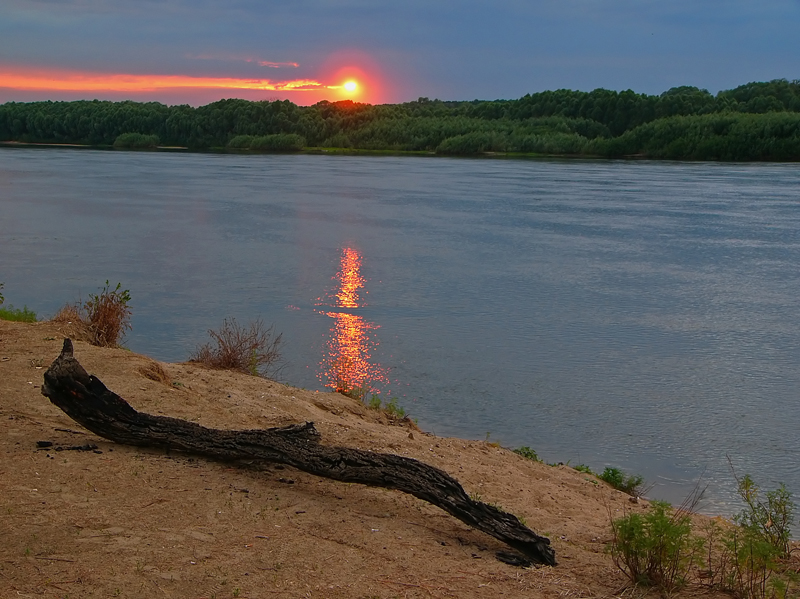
122, 521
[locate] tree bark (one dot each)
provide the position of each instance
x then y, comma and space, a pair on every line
86, 400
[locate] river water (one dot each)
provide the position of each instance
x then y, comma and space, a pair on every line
637, 314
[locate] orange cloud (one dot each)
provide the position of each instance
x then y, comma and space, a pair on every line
120, 82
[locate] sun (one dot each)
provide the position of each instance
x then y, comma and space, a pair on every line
351, 86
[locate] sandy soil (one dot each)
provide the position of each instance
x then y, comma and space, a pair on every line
122, 521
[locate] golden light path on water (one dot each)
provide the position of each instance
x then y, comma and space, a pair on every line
346, 365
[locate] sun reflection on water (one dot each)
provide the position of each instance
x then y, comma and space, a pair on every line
346, 366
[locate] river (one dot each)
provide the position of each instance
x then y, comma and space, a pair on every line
630, 313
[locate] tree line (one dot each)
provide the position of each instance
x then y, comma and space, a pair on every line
756, 121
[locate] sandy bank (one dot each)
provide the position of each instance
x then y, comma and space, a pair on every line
131, 522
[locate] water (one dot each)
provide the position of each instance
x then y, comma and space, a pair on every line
636, 314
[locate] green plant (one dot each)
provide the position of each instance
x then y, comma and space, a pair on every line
253, 350
770, 520
750, 556
17, 315
583, 468
527, 452
656, 548
348, 389
630, 484
375, 402
393, 409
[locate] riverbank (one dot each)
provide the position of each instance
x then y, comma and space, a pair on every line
134, 522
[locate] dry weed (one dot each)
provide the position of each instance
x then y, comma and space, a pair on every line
101, 320
253, 350
108, 315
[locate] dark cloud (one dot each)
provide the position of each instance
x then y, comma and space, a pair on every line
464, 50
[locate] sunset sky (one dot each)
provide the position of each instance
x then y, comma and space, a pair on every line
199, 51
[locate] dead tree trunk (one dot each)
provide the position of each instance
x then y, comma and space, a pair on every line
86, 400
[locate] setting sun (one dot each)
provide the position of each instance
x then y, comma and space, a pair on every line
351, 86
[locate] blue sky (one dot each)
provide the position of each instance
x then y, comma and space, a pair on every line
397, 51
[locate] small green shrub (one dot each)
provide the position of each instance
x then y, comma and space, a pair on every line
771, 519
393, 409
527, 452
17, 314
630, 484
583, 468
750, 558
656, 548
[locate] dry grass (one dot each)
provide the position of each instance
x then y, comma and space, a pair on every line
253, 350
155, 372
73, 321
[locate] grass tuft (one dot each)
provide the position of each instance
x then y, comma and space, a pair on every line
17, 314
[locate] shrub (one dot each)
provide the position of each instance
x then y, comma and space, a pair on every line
102, 320
391, 407
136, 140
394, 410
750, 558
240, 142
253, 350
280, 142
630, 484
108, 315
657, 548
527, 452
771, 520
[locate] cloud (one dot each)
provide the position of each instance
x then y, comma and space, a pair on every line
229, 57
59, 80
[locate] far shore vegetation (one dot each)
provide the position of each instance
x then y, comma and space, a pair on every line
753, 122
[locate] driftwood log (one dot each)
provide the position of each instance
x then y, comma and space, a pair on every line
86, 400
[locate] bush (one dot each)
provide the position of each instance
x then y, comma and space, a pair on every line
108, 315
136, 140
253, 350
630, 484
102, 320
657, 548
241, 142
750, 558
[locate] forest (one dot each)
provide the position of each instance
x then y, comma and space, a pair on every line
756, 121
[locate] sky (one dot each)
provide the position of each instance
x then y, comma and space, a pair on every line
199, 51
